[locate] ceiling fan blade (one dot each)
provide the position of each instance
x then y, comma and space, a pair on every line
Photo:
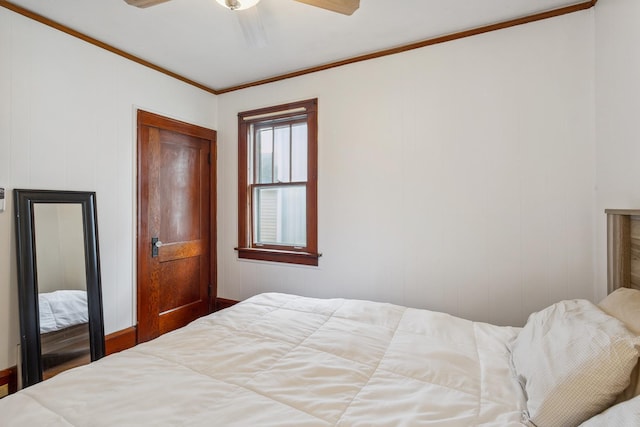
252, 28
345, 7
144, 3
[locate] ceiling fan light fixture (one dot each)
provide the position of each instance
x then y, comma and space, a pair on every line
238, 4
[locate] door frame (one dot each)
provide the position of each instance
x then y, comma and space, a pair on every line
148, 119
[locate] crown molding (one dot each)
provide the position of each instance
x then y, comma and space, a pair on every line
70, 31
386, 52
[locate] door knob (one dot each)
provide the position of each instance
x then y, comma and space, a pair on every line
155, 245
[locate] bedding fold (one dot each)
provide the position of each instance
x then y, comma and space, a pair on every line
283, 360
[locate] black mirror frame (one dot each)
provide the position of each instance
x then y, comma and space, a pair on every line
28, 278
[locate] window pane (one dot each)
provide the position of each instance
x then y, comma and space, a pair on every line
282, 156
264, 155
280, 216
299, 152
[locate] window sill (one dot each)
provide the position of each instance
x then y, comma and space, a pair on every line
291, 257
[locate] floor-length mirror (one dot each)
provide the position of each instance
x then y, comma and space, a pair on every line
59, 282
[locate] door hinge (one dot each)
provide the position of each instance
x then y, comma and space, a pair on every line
209, 290
209, 157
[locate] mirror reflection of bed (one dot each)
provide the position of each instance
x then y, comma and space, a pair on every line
62, 295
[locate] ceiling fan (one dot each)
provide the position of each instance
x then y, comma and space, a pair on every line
345, 7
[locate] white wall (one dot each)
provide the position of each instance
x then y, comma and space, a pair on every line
617, 111
458, 177
59, 245
67, 121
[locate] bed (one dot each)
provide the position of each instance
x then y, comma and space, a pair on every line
285, 360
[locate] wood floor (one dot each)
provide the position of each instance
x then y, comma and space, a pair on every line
67, 364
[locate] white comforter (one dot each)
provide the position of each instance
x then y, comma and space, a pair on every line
62, 309
281, 360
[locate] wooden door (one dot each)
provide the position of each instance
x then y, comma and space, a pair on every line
176, 224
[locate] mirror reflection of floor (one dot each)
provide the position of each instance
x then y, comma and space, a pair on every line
65, 349
63, 362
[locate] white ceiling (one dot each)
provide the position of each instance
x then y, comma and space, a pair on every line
204, 42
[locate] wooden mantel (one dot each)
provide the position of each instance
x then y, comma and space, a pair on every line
623, 248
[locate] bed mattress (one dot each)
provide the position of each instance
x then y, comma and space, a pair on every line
283, 360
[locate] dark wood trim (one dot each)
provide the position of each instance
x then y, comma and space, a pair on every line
161, 122
244, 224
213, 226
424, 43
121, 340
312, 184
420, 44
9, 377
291, 257
222, 303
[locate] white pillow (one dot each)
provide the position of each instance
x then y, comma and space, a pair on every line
623, 414
572, 360
624, 305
